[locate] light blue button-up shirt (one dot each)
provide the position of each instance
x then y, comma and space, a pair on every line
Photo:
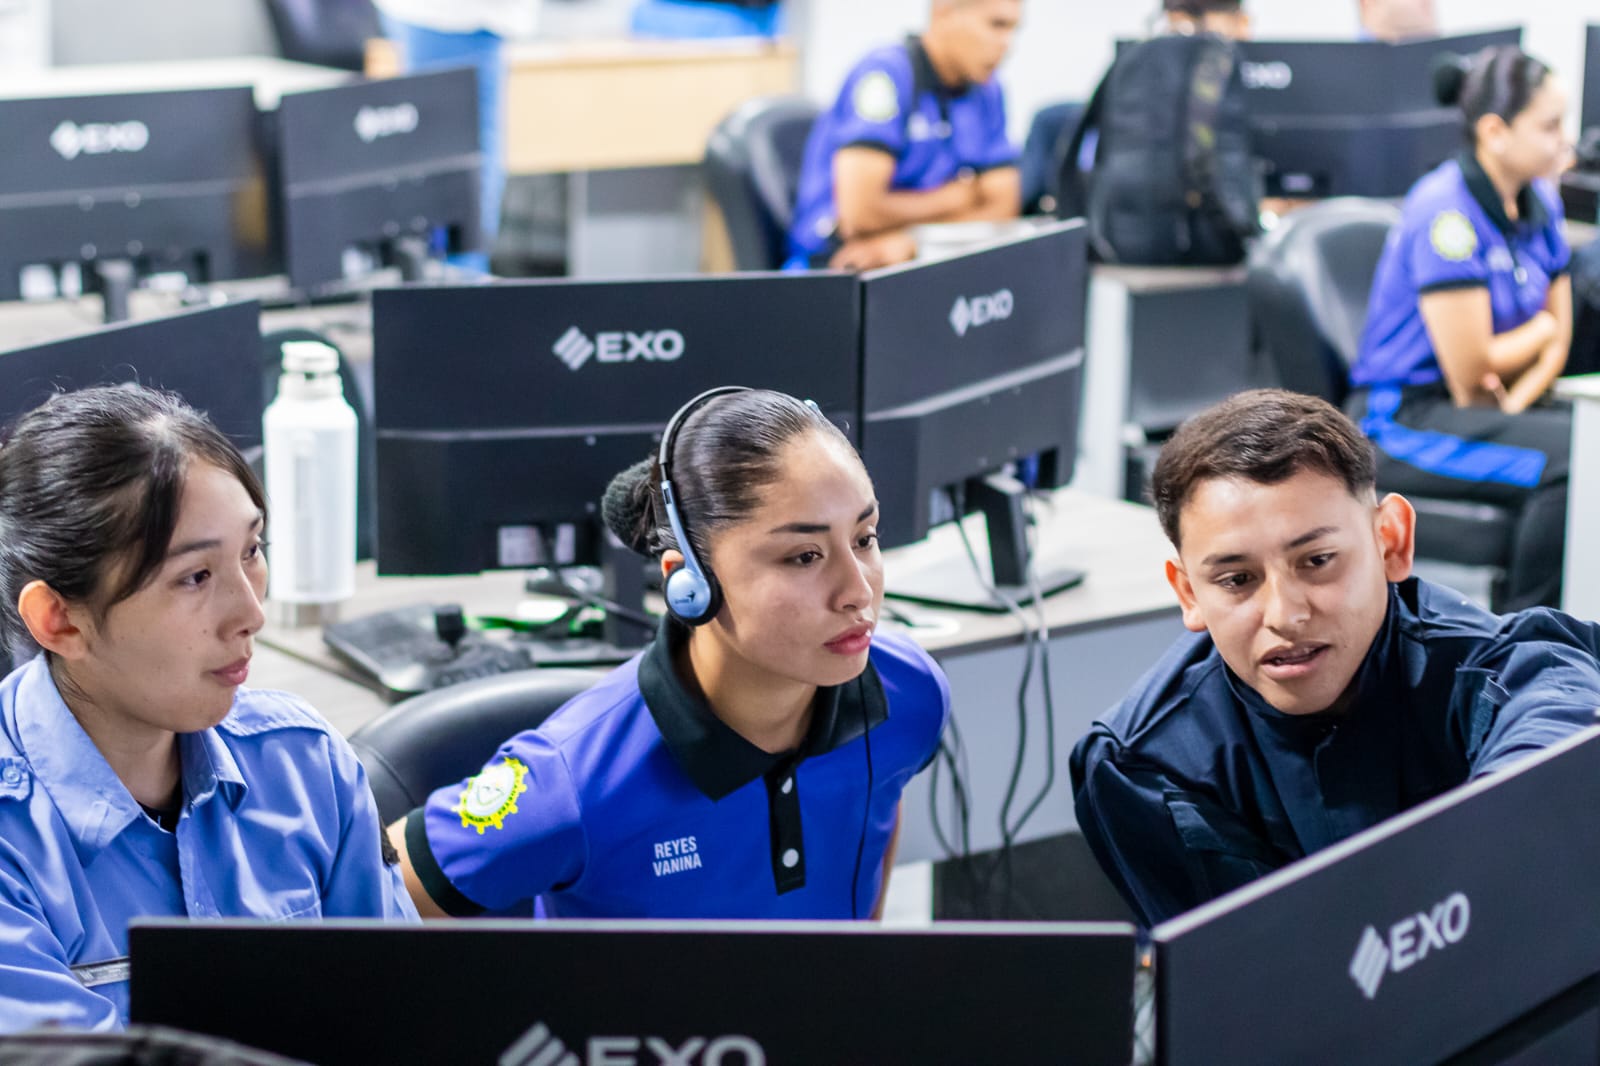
277, 822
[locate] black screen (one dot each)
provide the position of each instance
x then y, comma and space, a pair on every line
969, 363
503, 411
363, 165
172, 181
212, 358
729, 992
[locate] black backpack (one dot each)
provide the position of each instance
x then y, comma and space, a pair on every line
1173, 180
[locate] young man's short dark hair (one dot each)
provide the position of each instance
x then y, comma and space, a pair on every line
1266, 436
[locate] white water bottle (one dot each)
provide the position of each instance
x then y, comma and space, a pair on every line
310, 450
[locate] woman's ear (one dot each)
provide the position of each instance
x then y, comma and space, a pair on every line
671, 559
1493, 133
51, 620
1395, 525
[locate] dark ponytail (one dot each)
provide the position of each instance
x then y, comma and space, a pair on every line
1501, 80
726, 452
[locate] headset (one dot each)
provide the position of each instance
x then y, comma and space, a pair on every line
691, 591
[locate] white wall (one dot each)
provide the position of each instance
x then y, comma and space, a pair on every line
1065, 45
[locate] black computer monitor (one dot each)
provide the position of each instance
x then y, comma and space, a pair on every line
746, 993
502, 411
97, 192
212, 358
1409, 942
1351, 118
375, 174
1590, 114
971, 374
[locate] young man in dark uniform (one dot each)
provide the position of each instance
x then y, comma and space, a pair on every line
1323, 689
918, 134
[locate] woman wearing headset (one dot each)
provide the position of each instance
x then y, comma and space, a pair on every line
1470, 318
749, 762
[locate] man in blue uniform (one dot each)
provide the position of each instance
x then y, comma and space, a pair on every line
918, 134
634, 800
1323, 689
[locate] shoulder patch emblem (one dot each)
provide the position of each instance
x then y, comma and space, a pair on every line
875, 98
492, 795
1452, 236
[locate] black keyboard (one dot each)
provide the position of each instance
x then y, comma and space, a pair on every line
401, 651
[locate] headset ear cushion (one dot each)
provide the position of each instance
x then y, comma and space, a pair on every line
689, 596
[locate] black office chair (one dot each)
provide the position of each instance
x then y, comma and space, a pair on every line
330, 33
366, 447
1048, 135
752, 166
1309, 281
443, 736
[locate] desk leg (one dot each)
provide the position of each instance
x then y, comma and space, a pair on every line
1105, 391
1580, 593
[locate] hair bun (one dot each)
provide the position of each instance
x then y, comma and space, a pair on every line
1449, 77
627, 506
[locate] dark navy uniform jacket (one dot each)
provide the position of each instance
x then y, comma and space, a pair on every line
1194, 785
893, 101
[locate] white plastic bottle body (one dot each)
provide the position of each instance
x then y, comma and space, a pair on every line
310, 451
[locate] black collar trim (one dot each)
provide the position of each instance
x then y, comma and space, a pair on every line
717, 759
925, 79
1529, 205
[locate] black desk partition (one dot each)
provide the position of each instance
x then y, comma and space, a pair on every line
1405, 944
738, 994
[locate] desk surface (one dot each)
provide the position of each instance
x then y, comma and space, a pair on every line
646, 103
1120, 545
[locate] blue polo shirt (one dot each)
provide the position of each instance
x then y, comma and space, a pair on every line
1454, 233
894, 102
1195, 785
634, 801
277, 822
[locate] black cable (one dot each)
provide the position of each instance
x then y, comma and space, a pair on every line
1031, 648
866, 813
1035, 588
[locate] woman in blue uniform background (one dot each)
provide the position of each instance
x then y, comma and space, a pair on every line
137, 776
1471, 316
750, 762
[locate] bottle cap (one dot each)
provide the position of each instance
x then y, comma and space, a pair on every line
309, 357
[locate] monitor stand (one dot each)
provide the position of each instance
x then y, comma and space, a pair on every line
411, 256
626, 627
115, 279
999, 498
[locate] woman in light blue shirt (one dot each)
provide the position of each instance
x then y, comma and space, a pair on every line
138, 777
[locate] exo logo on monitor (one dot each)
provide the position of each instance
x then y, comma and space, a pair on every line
540, 1047
71, 140
624, 346
977, 311
373, 123
1276, 75
1409, 942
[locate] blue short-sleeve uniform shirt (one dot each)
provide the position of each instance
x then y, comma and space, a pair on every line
893, 101
1195, 785
634, 801
277, 821
1454, 233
